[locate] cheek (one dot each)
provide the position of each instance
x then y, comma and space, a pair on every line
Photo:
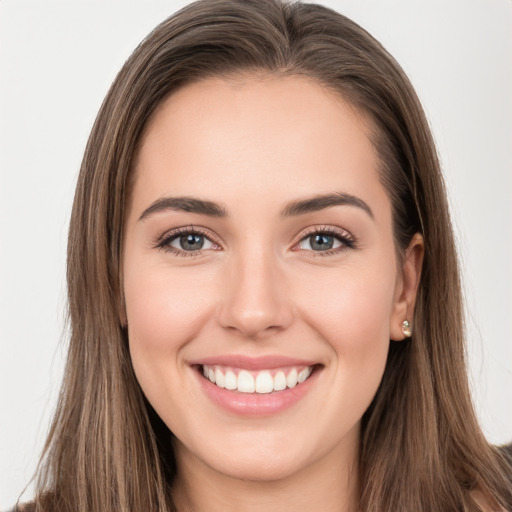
165, 309
351, 309
350, 306
165, 303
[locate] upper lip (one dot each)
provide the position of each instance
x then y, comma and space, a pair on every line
268, 362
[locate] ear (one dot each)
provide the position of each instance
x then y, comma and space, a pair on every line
406, 287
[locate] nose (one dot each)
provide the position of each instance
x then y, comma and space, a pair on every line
254, 301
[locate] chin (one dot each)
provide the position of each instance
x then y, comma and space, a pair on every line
262, 458
260, 470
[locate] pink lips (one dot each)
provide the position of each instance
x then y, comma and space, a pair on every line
253, 363
254, 404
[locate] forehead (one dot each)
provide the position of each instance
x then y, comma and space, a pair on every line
282, 137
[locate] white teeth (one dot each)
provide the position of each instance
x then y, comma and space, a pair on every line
246, 382
230, 380
263, 383
291, 380
279, 381
219, 378
303, 375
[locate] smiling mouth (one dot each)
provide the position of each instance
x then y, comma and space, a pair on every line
256, 382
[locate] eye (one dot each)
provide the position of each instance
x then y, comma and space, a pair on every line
327, 241
190, 242
186, 242
319, 242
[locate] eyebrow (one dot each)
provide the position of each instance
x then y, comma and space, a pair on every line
317, 203
185, 204
292, 209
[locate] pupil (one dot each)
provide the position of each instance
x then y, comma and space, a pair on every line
191, 242
321, 242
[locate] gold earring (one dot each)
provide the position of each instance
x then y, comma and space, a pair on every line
406, 329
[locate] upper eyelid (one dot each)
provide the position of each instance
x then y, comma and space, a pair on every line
161, 240
348, 241
336, 231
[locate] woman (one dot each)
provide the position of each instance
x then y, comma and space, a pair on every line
263, 288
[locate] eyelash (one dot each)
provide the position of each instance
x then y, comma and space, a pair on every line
346, 239
164, 241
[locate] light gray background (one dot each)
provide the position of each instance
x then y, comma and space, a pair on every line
56, 63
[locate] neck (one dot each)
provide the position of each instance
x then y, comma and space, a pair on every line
328, 484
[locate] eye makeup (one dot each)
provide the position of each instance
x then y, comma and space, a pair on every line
187, 235
329, 240
193, 241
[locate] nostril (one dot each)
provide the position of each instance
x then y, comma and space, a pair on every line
255, 303
255, 324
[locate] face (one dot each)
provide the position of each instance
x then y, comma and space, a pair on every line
260, 276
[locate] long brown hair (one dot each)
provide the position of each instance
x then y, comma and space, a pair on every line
421, 447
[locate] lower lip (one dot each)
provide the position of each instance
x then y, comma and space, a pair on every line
257, 404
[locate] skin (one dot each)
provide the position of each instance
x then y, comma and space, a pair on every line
253, 145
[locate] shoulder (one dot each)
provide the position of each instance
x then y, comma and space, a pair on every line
25, 507
483, 503
506, 451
